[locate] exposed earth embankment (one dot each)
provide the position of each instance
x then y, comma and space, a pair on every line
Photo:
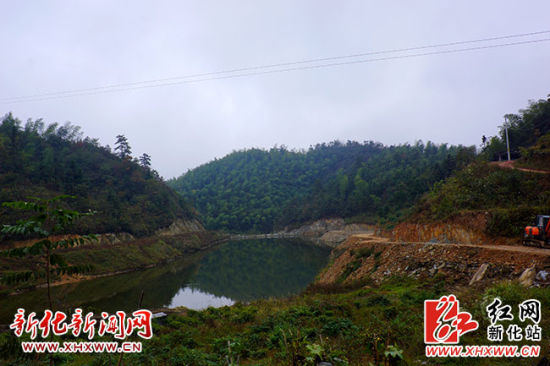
367, 257
327, 232
465, 228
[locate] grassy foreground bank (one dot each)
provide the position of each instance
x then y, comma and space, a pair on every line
379, 325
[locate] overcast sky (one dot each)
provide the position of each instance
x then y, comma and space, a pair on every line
55, 46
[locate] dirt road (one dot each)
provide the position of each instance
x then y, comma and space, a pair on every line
506, 248
365, 256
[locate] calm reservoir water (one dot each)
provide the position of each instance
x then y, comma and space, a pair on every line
241, 270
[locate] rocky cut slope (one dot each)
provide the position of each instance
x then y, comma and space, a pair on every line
366, 258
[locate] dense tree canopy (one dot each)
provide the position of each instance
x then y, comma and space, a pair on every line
381, 188
45, 160
264, 190
524, 130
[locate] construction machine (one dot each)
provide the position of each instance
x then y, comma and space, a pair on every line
539, 233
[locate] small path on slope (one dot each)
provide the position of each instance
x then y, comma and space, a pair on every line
509, 164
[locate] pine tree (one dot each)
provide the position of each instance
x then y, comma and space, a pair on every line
145, 160
122, 147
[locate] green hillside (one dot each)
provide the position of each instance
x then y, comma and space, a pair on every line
525, 128
39, 160
511, 197
265, 190
537, 156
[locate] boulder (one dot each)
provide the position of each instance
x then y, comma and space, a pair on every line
527, 278
179, 227
480, 273
543, 276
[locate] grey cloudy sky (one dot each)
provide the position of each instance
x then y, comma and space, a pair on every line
50, 46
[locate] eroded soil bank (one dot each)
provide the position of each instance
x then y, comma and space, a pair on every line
365, 256
325, 232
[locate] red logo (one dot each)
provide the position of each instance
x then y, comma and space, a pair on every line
444, 322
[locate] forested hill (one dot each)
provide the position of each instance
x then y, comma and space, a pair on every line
264, 190
525, 129
39, 160
509, 198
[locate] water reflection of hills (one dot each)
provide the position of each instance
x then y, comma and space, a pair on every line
250, 269
121, 292
238, 270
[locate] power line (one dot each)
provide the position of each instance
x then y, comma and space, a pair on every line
256, 70
282, 64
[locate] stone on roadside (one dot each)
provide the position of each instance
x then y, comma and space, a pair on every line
527, 278
480, 273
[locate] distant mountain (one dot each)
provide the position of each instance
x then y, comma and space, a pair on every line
264, 190
39, 160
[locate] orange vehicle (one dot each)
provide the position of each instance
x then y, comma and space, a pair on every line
539, 233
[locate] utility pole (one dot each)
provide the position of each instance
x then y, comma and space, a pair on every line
507, 141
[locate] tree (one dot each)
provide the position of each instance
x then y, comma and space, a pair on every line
49, 218
145, 160
38, 157
524, 129
11, 128
123, 147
